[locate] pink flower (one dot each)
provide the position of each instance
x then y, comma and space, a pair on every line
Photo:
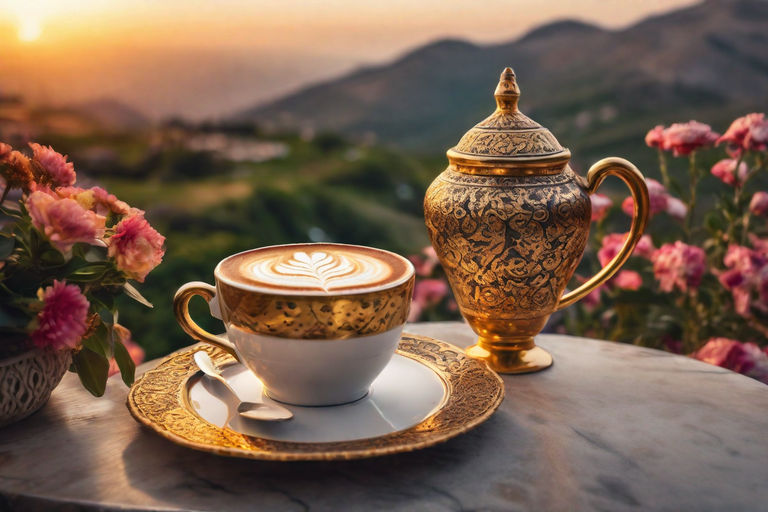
592, 299
659, 199
685, 138
63, 221
425, 263
5, 151
745, 358
747, 272
426, 293
655, 137
430, 291
759, 204
612, 244
415, 312
679, 265
134, 350
63, 319
725, 171
676, 208
644, 247
747, 133
106, 202
136, 247
628, 280
601, 204
58, 172
98, 200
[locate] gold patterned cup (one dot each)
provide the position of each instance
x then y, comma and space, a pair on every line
315, 322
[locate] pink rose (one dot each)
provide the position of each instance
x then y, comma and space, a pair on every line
676, 208
425, 263
612, 245
430, 291
601, 204
747, 272
426, 293
685, 138
725, 171
759, 204
655, 137
679, 265
745, 358
63, 221
415, 312
104, 202
134, 350
58, 172
592, 299
644, 247
63, 319
628, 280
659, 199
747, 133
136, 247
98, 200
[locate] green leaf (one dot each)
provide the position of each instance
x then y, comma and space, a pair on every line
88, 273
100, 341
125, 363
13, 318
133, 293
7, 245
93, 370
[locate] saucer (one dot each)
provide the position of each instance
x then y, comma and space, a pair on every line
429, 392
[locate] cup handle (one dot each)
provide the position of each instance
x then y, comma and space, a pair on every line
181, 310
634, 179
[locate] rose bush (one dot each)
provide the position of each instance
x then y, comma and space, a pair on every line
66, 253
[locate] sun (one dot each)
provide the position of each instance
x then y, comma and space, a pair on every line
30, 29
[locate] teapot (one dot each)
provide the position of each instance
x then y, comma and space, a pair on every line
509, 221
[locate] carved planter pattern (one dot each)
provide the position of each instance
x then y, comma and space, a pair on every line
27, 380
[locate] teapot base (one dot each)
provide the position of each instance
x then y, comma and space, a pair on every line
517, 357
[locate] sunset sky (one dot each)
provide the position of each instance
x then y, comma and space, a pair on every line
207, 58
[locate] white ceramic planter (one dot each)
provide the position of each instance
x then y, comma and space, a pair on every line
27, 380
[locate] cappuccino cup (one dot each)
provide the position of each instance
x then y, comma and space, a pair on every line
316, 323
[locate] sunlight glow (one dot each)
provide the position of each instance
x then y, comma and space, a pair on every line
30, 28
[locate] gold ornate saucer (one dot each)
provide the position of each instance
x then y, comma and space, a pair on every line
160, 400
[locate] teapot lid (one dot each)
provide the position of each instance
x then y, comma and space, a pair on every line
508, 142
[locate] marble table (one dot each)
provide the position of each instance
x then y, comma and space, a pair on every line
609, 427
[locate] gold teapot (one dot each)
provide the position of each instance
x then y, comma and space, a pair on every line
509, 221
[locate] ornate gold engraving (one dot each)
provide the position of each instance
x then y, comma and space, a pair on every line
508, 245
509, 221
157, 400
315, 317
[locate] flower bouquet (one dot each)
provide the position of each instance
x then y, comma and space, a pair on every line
66, 253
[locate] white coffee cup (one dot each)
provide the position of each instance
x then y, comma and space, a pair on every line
316, 323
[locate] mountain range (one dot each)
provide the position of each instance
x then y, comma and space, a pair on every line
596, 89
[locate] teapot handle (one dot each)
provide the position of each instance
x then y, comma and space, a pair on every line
634, 179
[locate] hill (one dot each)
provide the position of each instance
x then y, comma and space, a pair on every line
597, 90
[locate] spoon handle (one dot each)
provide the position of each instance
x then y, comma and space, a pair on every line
219, 377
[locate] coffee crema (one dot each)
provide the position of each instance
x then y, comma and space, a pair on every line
315, 268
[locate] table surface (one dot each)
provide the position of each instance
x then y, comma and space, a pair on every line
607, 427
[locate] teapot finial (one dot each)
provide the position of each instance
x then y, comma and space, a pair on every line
507, 92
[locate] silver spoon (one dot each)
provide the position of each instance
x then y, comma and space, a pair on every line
251, 410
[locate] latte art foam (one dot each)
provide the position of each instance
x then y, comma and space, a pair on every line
328, 268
